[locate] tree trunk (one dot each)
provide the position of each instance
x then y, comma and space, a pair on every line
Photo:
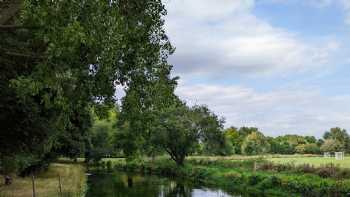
180, 160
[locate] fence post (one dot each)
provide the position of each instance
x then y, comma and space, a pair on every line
60, 184
255, 166
33, 184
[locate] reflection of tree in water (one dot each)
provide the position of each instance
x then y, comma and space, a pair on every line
122, 184
177, 190
130, 182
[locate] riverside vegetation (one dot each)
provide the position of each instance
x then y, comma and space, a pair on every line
248, 175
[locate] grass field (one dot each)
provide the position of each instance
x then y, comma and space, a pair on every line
73, 180
316, 161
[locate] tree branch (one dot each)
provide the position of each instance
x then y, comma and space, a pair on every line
15, 27
23, 55
8, 13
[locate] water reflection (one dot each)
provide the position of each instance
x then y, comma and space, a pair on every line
121, 184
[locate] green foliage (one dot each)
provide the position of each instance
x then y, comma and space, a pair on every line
221, 173
291, 144
308, 149
332, 145
232, 137
236, 137
340, 137
66, 58
255, 143
101, 135
179, 129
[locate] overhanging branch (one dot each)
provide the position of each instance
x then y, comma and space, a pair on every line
15, 27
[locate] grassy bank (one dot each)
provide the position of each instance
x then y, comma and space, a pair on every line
316, 161
239, 175
73, 181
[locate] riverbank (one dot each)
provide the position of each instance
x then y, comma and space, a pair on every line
73, 182
239, 175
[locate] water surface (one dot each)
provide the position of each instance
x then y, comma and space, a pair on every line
119, 184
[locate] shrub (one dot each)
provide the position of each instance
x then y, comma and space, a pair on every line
255, 179
266, 166
269, 182
198, 174
233, 175
327, 171
305, 168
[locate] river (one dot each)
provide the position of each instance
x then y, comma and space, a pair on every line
120, 184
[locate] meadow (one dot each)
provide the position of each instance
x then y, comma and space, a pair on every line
73, 181
315, 161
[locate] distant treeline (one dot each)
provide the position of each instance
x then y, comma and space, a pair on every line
250, 141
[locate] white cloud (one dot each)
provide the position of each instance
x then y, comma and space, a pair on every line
224, 38
215, 37
299, 111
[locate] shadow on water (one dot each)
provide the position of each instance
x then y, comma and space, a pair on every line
119, 184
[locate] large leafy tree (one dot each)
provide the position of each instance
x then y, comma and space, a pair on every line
340, 135
179, 129
332, 145
255, 143
232, 137
140, 111
236, 137
100, 144
62, 57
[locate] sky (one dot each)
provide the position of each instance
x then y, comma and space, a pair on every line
280, 65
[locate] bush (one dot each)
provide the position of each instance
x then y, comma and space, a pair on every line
198, 174
327, 171
269, 182
305, 168
255, 179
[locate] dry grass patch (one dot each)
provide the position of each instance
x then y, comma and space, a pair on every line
73, 180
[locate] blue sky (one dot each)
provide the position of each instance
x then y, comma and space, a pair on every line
280, 65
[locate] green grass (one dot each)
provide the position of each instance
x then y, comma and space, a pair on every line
237, 172
73, 180
316, 161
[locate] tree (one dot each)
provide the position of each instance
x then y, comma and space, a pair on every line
310, 139
60, 57
100, 143
72, 142
232, 137
213, 137
236, 137
339, 135
255, 143
311, 148
332, 145
140, 111
180, 128
288, 144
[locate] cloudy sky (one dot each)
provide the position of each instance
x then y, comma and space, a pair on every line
280, 65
